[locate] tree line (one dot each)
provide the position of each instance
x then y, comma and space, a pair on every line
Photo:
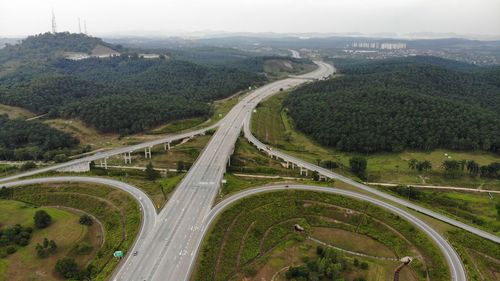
23, 140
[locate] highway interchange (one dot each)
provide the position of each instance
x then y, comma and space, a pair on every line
168, 241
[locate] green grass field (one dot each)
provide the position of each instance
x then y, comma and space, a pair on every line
65, 230
271, 124
254, 238
117, 211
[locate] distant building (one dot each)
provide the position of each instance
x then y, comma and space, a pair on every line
378, 45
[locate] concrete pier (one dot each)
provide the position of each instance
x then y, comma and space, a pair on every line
104, 163
147, 152
128, 157
303, 170
166, 146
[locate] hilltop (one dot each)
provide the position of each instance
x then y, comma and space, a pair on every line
53, 45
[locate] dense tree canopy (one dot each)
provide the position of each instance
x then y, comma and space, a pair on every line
124, 94
23, 140
397, 104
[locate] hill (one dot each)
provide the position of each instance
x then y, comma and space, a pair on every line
397, 104
50, 45
124, 94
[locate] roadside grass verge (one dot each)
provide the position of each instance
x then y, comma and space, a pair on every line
116, 210
241, 234
478, 209
65, 230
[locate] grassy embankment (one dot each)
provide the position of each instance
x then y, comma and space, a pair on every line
72, 238
117, 211
243, 243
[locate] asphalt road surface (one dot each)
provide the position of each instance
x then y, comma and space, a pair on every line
455, 265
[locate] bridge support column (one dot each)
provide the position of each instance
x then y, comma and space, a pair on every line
147, 152
293, 165
104, 163
128, 157
287, 164
322, 178
166, 146
303, 170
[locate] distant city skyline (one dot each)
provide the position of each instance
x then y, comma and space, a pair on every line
470, 18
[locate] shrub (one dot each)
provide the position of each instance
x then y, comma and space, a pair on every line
10, 250
42, 219
86, 220
67, 268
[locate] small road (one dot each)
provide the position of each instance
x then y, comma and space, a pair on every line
336, 176
147, 207
457, 270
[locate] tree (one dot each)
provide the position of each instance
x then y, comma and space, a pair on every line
424, 166
412, 164
151, 173
364, 265
472, 168
28, 166
452, 168
86, 220
180, 166
358, 166
52, 246
42, 219
67, 268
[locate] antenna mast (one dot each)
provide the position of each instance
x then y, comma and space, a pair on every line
79, 26
85, 25
54, 27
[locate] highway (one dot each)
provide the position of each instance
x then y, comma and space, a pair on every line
453, 260
109, 153
169, 250
169, 241
147, 207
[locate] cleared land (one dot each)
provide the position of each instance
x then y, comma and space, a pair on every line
255, 239
65, 230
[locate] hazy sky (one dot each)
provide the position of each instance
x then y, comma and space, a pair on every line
24, 17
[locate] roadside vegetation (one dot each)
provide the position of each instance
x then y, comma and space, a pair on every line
255, 238
479, 209
117, 212
34, 239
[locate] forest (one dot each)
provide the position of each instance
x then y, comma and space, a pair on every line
26, 140
123, 94
390, 105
